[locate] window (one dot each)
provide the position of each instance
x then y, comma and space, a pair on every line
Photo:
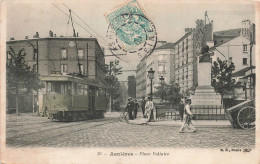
34, 54
187, 44
244, 47
244, 61
63, 53
182, 46
80, 53
35, 67
80, 89
162, 68
9, 55
161, 57
63, 68
81, 68
86, 90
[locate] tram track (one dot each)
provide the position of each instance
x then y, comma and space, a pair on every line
113, 120
10, 139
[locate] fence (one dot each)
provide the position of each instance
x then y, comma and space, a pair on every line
199, 112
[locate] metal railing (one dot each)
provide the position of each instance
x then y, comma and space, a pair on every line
199, 112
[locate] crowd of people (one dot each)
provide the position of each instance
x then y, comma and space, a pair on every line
148, 109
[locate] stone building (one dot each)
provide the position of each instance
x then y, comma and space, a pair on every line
141, 77
186, 51
58, 55
162, 63
237, 49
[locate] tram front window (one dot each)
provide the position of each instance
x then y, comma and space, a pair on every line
56, 87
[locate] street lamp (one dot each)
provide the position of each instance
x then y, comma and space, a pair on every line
151, 76
162, 80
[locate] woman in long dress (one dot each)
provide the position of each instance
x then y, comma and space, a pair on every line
187, 125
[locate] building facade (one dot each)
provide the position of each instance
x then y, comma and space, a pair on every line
237, 49
186, 53
162, 63
141, 75
59, 55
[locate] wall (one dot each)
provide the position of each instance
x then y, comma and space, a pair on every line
234, 49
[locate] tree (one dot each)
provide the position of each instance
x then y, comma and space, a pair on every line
111, 80
190, 91
20, 76
221, 77
170, 92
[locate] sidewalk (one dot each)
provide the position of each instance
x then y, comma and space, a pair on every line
168, 122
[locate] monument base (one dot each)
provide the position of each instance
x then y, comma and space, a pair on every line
205, 96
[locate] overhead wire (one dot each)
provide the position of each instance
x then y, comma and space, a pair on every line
98, 35
88, 31
113, 54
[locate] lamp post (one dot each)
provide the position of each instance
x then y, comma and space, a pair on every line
162, 80
151, 76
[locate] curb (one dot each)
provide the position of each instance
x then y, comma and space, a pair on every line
173, 124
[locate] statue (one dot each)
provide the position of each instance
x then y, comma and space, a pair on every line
205, 57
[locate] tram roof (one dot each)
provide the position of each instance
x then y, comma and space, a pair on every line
69, 78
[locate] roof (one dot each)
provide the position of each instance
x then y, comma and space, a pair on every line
242, 72
222, 43
51, 38
230, 32
73, 78
166, 46
184, 36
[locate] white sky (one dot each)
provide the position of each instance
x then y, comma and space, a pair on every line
170, 18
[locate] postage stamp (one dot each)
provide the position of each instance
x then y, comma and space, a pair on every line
130, 31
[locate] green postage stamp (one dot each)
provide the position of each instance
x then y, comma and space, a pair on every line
130, 30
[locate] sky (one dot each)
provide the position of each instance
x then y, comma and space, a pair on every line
25, 17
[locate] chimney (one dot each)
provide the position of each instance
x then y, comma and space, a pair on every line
36, 35
26, 37
55, 35
77, 34
245, 29
12, 38
199, 23
50, 34
61, 36
187, 30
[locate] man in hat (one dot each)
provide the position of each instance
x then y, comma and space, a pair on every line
129, 107
187, 118
143, 106
149, 107
135, 108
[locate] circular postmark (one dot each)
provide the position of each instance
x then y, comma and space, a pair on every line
131, 34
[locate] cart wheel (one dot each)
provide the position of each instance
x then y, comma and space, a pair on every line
246, 118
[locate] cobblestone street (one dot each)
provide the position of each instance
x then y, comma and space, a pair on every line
33, 131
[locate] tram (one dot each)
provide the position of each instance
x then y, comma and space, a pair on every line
73, 98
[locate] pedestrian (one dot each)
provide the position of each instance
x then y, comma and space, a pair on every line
135, 108
181, 109
45, 111
187, 119
149, 107
143, 106
129, 108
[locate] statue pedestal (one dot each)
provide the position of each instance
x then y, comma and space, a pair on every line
205, 94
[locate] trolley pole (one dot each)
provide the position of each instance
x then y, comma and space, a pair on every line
37, 65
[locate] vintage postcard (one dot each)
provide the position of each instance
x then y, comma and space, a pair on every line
129, 81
